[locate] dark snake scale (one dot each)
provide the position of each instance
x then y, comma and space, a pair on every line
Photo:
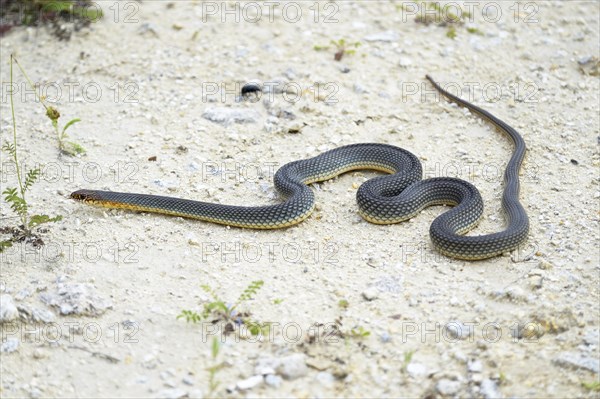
391, 198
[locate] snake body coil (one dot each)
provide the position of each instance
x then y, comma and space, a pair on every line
386, 199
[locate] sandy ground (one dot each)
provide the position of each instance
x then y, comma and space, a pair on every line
97, 304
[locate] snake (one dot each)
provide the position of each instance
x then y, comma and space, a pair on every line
396, 196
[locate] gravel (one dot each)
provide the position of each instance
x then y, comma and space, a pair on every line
8, 309
577, 361
227, 116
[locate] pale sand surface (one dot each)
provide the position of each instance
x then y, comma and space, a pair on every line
147, 268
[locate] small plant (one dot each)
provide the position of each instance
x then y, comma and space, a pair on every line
65, 146
343, 304
407, 359
593, 386
342, 48
359, 332
219, 310
443, 16
277, 301
213, 383
54, 13
16, 196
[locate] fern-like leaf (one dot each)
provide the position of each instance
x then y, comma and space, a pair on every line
250, 291
210, 291
190, 316
9, 148
17, 204
36, 220
31, 178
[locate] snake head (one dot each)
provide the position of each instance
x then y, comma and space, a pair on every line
84, 196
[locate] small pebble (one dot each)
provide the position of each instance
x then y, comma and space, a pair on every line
370, 293
489, 389
273, 380
249, 383
447, 387
325, 378
577, 361
387, 36
8, 309
226, 116
293, 366
10, 345
249, 88
475, 366
457, 329
416, 370
173, 393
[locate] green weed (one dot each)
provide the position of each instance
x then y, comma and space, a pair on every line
407, 358
442, 15
218, 310
358, 332
342, 48
16, 196
593, 386
79, 13
213, 383
65, 146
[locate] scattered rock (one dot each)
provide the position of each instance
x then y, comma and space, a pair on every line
226, 116
359, 89
517, 294
416, 370
592, 337
295, 127
457, 329
447, 387
10, 345
43, 315
475, 366
577, 361
589, 65
173, 393
22, 294
404, 62
249, 88
293, 366
555, 322
266, 365
325, 378
149, 362
318, 363
249, 383
273, 380
79, 299
387, 36
8, 309
528, 330
385, 337
536, 282
489, 389
370, 293
39, 353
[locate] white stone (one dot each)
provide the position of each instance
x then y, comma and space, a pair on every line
293, 366
250, 383
8, 309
